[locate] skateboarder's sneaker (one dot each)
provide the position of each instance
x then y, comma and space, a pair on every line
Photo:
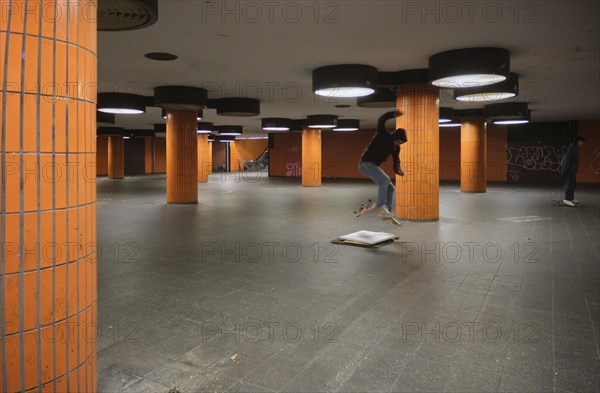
383, 212
392, 220
575, 201
568, 202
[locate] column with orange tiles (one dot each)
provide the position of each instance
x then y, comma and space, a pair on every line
148, 156
234, 157
473, 154
102, 155
116, 157
182, 156
311, 157
204, 158
210, 158
48, 196
417, 193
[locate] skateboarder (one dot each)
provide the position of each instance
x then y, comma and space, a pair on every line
569, 171
384, 143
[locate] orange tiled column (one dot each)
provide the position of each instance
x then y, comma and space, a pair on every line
473, 154
417, 193
234, 157
210, 157
182, 157
48, 196
102, 155
148, 156
204, 159
311, 157
116, 157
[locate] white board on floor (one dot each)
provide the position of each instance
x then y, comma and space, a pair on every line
368, 237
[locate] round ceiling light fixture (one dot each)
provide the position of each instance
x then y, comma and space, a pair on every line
452, 123
109, 131
199, 117
225, 138
469, 67
229, 130
345, 80
238, 107
347, 125
508, 88
382, 98
508, 113
275, 124
121, 15
446, 115
322, 121
182, 98
204, 127
122, 103
140, 133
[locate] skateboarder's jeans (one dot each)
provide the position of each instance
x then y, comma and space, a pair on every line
385, 196
570, 183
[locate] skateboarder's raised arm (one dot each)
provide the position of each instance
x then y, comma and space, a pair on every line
384, 118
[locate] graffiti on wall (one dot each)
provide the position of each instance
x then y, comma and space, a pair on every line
595, 164
293, 169
536, 157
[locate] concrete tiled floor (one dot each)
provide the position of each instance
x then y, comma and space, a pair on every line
469, 303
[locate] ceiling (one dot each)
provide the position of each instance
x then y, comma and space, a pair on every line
268, 49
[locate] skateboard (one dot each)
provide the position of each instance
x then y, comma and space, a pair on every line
365, 207
559, 202
392, 220
368, 206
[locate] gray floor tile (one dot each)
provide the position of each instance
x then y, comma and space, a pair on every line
273, 377
370, 380
144, 386
113, 379
372, 298
423, 376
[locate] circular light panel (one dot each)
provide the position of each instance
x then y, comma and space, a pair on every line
345, 92
472, 80
450, 124
509, 122
121, 111
481, 97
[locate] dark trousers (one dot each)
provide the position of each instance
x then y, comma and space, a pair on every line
570, 185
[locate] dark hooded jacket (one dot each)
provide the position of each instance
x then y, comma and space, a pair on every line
382, 145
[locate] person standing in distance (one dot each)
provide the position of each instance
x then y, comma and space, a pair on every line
569, 171
384, 143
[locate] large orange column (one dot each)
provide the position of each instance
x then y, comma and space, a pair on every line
210, 157
204, 158
473, 154
48, 196
102, 155
417, 193
149, 155
234, 157
311, 157
116, 157
182, 157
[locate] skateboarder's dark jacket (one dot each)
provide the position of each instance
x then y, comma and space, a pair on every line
571, 160
382, 145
